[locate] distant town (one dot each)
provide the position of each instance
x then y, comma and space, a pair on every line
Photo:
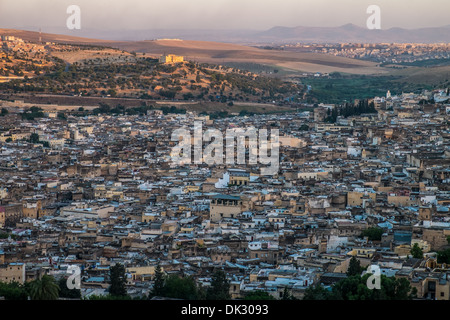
402, 53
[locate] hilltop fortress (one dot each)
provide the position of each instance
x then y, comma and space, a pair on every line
170, 58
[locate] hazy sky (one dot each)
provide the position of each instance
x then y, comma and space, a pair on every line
221, 14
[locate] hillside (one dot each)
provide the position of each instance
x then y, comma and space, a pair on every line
115, 73
223, 53
353, 33
216, 72
220, 53
277, 34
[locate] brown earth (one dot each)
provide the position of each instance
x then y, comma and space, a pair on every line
218, 53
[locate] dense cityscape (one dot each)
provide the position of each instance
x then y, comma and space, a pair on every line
177, 169
101, 190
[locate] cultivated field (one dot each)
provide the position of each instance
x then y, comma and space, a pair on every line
216, 53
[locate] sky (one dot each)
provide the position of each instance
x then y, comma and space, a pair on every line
220, 14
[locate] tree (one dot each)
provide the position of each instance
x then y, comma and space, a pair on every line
112, 92
287, 295
13, 291
355, 288
258, 295
65, 292
4, 112
354, 267
416, 251
220, 286
180, 288
34, 138
304, 127
45, 288
373, 233
109, 297
188, 96
317, 292
443, 256
158, 286
61, 116
118, 281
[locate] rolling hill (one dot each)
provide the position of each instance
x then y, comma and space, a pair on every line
220, 53
353, 33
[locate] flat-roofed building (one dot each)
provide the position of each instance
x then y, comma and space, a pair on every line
170, 58
12, 272
239, 177
10, 214
225, 206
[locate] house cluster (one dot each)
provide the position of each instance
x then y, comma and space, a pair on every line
103, 190
380, 52
17, 45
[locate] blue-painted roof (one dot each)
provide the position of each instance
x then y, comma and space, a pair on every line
96, 279
226, 197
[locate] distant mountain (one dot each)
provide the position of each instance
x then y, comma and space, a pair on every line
279, 34
353, 33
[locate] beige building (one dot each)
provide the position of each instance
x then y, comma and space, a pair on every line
12, 272
83, 210
239, 177
425, 213
399, 201
142, 273
436, 237
10, 214
359, 198
265, 253
225, 206
32, 209
170, 58
293, 142
314, 175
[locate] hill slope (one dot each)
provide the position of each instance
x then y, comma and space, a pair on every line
220, 53
353, 33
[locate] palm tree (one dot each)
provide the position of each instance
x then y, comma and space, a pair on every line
45, 288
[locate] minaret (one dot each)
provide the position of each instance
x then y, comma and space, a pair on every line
40, 35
